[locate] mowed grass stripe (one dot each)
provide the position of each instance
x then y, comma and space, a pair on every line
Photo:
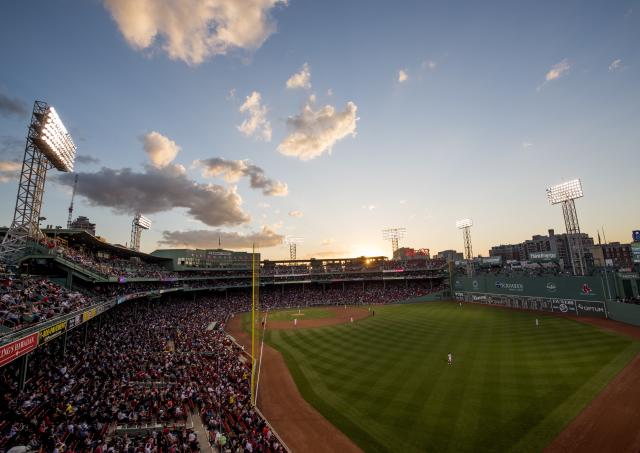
384, 380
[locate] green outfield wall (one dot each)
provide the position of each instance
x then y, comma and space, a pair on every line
628, 313
590, 289
579, 296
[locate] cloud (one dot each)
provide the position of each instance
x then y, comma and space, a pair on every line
160, 149
327, 242
402, 76
257, 123
87, 160
300, 79
429, 64
158, 190
233, 170
9, 170
296, 214
370, 207
12, 106
615, 65
527, 145
313, 133
403, 201
194, 30
263, 205
558, 70
207, 239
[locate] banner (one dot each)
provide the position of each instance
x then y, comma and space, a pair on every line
594, 309
87, 315
543, 256
11, 351
52, 332
74, 322
563, 306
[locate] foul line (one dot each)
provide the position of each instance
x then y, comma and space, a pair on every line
264, 329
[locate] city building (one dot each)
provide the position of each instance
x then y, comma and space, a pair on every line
507, 252
612, 254
408, 253
555, 245
450, 255
83, 223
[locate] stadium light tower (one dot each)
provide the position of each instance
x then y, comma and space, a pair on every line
565, 194
394, 235
139, 223
73, 195
49, 145
292, 242
465, 225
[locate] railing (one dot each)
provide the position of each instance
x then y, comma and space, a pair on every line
100, 307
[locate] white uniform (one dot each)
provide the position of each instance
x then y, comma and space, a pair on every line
450, 358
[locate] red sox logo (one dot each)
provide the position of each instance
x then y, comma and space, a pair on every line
585, 289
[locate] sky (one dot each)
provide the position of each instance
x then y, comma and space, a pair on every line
251, 121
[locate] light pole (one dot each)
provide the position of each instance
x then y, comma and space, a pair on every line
565, 194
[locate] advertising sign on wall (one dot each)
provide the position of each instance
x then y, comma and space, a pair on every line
543, 256
87, 315
18, 348
52, 332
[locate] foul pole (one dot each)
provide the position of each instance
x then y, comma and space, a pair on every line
253, 323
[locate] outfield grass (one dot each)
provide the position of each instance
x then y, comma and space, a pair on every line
305, 313
384, 381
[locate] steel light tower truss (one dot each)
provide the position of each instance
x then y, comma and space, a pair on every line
49, 145
292, 242
139, 224
465, 225
394, 235
73, 195
565, 194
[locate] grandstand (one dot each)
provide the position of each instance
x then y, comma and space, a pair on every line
72, 314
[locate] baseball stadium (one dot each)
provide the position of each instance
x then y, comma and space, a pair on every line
224, 234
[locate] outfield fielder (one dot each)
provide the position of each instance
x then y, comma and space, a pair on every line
450, 358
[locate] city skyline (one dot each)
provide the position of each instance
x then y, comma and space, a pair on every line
251, 128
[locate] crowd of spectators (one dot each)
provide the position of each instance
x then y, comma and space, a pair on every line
114, 266
152, 363
26, 300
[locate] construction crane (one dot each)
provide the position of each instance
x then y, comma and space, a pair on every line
73, 195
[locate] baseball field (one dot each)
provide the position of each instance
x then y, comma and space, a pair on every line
385, 382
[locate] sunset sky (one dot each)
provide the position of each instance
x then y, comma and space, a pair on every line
252, 120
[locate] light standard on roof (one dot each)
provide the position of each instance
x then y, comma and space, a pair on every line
565, 194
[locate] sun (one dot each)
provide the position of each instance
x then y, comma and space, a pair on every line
366, 250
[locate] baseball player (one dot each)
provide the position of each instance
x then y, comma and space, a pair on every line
450, 358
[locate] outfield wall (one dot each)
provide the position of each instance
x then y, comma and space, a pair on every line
579, 296
628, 313
588, 289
